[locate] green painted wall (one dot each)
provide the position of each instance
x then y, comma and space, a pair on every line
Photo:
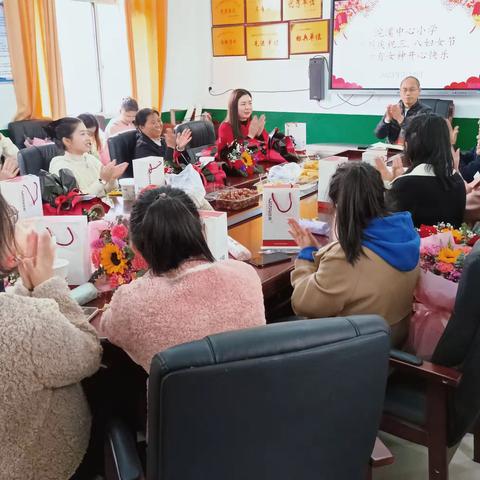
334, 128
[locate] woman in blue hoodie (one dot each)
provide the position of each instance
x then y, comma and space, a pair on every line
373, 266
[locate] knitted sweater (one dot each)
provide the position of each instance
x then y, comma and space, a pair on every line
46, 348
198, 299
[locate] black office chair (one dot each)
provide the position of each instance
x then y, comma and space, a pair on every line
436, 404
203, 135
21, 130
122, 149
296, 400
33, 159
445, 108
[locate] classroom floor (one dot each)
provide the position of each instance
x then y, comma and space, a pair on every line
411, 461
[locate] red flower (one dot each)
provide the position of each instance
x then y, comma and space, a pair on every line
472, 241
120, 231
426, 231
139, 263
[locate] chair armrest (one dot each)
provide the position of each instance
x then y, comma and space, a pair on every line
427, 370
121, 457
381, 455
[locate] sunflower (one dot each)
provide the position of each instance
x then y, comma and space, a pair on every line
112, 259
448, 255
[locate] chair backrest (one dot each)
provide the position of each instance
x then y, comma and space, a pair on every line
291, 400
122, 149
19, 131
445, 108
33, 159
459, 347
203, 135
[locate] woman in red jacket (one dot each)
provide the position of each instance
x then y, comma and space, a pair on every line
239, 124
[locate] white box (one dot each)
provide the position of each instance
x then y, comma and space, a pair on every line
148, 171
326, 168
216, 232
24, 194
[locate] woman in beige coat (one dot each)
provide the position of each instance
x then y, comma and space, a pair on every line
46, 348
371, 269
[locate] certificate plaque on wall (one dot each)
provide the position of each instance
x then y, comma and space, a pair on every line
228, 12
309, 37
267, 42
228, 41
302, 9
261, 11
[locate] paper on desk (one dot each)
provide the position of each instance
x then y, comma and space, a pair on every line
381, 145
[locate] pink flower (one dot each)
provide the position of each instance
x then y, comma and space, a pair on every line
96, 258
139, 263
98, 243
118, 242
444, 267
120, 231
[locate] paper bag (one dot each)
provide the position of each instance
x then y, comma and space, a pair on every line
298, 131
280, 203
24, 194
71, 237
326, 168
216, 233
148, 171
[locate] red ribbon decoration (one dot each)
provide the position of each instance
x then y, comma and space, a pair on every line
68, 199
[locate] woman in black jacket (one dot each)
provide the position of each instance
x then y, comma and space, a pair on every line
151, 143
430, 189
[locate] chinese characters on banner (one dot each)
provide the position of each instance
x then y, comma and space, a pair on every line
309, 37
261, 11
228, 41
228, 12
402, 43
5, 67
302, 9
267, 42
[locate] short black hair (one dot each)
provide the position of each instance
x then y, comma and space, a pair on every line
129, 104
62, 128
166, 229
142, 116
357, 191
427, 140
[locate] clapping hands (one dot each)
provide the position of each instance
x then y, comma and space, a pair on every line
9, 169
111, 171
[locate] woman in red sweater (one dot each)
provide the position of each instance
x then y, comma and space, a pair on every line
239, 124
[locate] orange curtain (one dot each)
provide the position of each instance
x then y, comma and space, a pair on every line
147, 45
35, 58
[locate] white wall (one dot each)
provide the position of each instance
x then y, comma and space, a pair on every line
8, 104
232, 72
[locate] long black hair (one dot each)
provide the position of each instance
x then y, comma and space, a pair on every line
166, 229
61, 128
91, 121
427, 140
357, 191
232, 114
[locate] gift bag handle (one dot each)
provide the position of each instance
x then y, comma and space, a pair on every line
69, 230
34, 200
278, 207
151, 168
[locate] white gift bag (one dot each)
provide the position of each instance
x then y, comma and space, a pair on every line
371, 154
24, 194
298, 131
216, 232
148, 171
326, 168
280, 203
71, 237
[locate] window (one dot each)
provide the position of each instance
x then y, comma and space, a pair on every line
94, 51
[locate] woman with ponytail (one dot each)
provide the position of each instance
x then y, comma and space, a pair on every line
373, 266
71, 135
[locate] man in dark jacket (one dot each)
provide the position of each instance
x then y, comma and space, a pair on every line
470, 162
397, 116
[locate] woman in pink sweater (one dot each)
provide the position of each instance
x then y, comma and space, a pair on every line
186, 294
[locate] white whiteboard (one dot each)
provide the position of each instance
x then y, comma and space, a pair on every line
376, 43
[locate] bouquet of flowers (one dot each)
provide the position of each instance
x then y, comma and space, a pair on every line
114, 260
242, 158
443, 250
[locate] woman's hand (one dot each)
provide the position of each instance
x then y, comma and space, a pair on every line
170, 138
261, 125
183, 139
253, 127
36, 265
303, 237
111, 171
9, 169
456, 159
397, 168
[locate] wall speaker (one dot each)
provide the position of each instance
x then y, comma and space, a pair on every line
316, 77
